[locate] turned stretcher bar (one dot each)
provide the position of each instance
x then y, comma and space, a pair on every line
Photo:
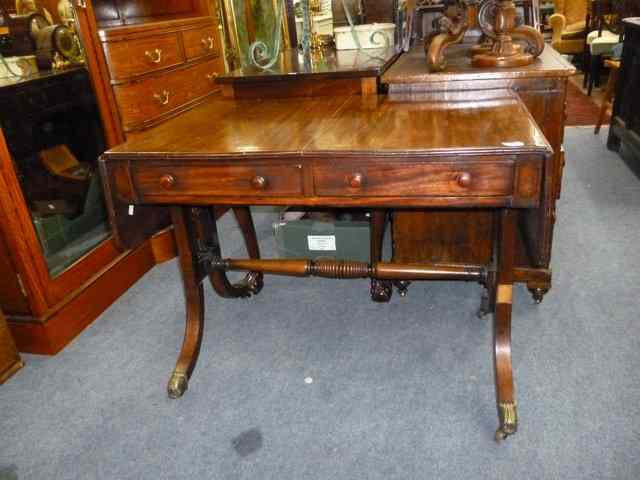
353, 269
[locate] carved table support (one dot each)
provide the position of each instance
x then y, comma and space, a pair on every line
209, 245
505, 392
451, 29
194, 300
381, 290
198, 247
488, 300
500, 49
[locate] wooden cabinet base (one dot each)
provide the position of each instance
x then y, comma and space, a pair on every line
7, 373
10, 361
49, 334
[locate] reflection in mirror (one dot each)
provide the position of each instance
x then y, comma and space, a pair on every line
50, 120
316, 24
320, 22
251, 21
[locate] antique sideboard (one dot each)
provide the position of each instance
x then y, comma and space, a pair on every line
340, 151
465, 235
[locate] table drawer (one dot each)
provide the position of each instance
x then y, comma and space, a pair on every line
152, 97
414, 179
129, 58
200, 42
217, 180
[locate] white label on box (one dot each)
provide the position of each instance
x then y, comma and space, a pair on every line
322, 242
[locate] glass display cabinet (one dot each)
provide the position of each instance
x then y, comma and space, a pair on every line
60, 265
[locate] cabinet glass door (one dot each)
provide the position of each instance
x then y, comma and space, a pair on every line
51, 122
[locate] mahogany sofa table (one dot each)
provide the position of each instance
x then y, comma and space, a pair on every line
353, 151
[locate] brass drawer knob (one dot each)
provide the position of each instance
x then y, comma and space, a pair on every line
167, 181
464, 179
155, 56
207, 43
162, 98
259, 182
355, 181
212, 76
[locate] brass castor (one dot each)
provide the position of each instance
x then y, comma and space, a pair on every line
178, 384
538, 294
508, 416
501, 435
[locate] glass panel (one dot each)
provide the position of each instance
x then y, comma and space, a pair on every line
254, 20
50, 119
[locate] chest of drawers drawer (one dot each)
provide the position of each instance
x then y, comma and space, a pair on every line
216, 180
142, 102
200, 42
130, 58
491, 178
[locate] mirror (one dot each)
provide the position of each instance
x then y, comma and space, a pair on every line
251, 21
51, 122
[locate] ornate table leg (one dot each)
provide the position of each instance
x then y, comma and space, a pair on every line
505, 395
488, 300
253, 280
504, 52
194, 300
210, 246
381, 290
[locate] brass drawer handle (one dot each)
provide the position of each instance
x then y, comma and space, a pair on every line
167, 181
464, 179
355, 181
212, 76
155, 56
162, 98
259, 182
207, 43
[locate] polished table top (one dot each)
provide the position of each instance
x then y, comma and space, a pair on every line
411, 68
327, 63
350, 125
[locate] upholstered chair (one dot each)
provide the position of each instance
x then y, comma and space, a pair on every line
568, 25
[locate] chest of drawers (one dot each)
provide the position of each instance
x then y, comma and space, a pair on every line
161, 69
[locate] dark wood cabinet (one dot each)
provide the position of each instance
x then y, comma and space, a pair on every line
624, 133
59, 264
145, 62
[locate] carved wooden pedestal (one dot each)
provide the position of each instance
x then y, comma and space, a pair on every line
503, 44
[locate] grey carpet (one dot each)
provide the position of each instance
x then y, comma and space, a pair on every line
400, 391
